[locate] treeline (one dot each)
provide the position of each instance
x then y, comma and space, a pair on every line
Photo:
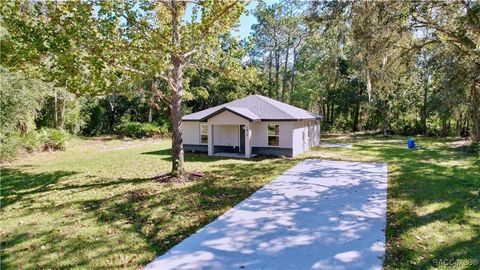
37, 116
392, 66
134, 67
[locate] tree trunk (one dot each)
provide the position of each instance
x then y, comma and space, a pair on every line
332, 109
327, 115
458, 121
464, 129
356, 114
424, 107
295, 58
277, 72
270, 59
112, 109
285, 69
55, 108
467, 127
444, 131
177, 94
62, 113
149, 115
425, 95
292, 82
475, 113
385, 119
321, 110
323, 106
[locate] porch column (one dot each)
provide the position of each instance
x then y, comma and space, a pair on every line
248, 143
210, 139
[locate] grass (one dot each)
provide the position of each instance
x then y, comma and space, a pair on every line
94, 206
433, 199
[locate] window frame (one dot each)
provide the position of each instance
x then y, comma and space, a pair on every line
202, 134
276, 135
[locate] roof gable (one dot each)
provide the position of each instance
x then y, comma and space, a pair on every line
242, 112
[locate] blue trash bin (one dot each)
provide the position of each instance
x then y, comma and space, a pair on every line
411, 143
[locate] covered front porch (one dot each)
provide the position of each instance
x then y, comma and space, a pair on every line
230, 140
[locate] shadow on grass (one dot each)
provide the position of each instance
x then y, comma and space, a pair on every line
166, 154
422, 184
182, 209
436, 174
166, 214
161, 152
16, 184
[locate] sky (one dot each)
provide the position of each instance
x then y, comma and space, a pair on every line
246, 20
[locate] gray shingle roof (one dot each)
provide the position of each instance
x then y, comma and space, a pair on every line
254, 108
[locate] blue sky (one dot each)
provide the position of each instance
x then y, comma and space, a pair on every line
246, 22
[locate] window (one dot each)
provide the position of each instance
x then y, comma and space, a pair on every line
273, 135
204, 134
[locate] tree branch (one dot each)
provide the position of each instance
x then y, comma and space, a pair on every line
188, 54
167, 79
217, 17
130, 69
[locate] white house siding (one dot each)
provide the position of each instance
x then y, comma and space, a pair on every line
315, 131
227, 118
191, 132
293, 135
301, 140
297, 140
227, 135
260, 134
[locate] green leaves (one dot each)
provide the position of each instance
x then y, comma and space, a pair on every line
20, 98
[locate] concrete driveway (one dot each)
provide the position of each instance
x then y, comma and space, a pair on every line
317, 215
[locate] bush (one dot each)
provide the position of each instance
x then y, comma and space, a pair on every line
21, 98
45, 139
32, 141
10, 145
140, 130
52, 139
476, 148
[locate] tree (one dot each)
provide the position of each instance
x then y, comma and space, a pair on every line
161, 41
456, 24
21, 99
49, 40
278, 34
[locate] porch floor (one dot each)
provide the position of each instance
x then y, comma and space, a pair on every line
233, 155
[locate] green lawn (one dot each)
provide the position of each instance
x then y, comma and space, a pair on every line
94, 206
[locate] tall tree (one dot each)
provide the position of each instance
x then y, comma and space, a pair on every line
456, 24
164, 38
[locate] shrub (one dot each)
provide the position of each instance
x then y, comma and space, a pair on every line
21, 98
476, 148
52, 139
32, 141
10, 145
95, 115
139, 130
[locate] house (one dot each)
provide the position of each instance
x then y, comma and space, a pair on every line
254, 125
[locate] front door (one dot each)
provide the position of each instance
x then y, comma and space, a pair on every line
242, 139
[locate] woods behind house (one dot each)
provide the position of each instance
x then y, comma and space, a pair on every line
135, 67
